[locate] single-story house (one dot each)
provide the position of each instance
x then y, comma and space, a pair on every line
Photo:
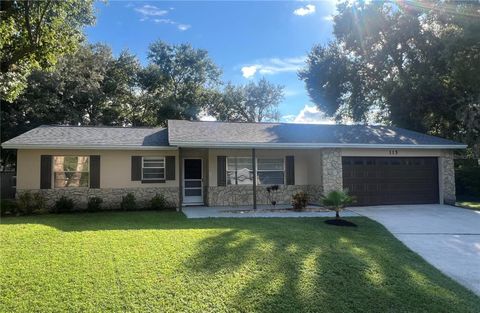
229, 164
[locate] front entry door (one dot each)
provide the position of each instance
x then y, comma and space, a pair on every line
192, 181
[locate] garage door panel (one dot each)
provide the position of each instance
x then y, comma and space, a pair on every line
380, 180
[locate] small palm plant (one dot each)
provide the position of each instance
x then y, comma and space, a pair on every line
337, 200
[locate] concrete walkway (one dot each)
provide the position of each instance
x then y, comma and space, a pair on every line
447, 237
247, 211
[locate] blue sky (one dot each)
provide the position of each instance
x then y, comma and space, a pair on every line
248, 40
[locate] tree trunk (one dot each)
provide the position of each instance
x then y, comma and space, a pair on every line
337, 214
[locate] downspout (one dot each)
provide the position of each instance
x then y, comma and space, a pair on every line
254, 180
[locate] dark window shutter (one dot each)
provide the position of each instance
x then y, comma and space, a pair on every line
221, 170
290, 170
136, 168
94, 171
45, 172
170, 167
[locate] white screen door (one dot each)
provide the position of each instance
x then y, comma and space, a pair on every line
192, 181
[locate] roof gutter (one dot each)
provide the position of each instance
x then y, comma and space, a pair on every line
190, 144
185, 144
85, 147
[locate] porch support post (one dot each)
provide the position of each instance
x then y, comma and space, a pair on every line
446, 178
254, 180
332, 172
180, 179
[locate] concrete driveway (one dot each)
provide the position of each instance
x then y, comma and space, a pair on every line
447, 237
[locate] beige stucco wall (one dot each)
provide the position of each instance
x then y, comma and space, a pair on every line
115, 167
391, 152
314, 171
311, 169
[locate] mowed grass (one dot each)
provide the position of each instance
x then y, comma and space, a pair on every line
474, 205
162, 262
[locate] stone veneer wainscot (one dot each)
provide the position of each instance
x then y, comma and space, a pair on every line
112, 197
237, 195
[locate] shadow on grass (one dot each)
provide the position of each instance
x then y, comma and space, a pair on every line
138, 220
292, 265
324, 269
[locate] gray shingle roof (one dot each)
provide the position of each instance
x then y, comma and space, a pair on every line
220, 134
79, 136
276, 134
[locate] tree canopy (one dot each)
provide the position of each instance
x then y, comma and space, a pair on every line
93, 87
414, 65
253, 102
90, 87
180, 81
34, 34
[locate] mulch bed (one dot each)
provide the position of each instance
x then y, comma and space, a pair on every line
340, 222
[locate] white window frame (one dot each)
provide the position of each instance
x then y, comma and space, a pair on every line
236, 169
283, 170
78, 156
256, 169
155, 158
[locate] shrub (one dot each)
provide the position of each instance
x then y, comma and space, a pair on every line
128, 202
25, 203
337, 200
159, 202
39, 203
63, 205
467, 181
94, 204
299, 201
28, 203
8, 207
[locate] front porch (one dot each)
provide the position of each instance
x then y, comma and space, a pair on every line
241, 177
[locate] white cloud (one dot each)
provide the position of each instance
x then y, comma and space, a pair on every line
183, 27
306, 10
150, 10
164, 21
310, 114
249, 71
328, 18
273, 66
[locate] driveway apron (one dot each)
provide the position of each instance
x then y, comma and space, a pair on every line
445, 236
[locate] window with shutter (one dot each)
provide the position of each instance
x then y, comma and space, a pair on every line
71, 171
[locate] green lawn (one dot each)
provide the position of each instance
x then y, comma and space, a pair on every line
162, 262
475, 205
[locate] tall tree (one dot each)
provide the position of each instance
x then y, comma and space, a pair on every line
90, 87
180, 80
414, 65
253, 102
34, 34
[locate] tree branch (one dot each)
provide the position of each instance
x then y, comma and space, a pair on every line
27, 23
40, 21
